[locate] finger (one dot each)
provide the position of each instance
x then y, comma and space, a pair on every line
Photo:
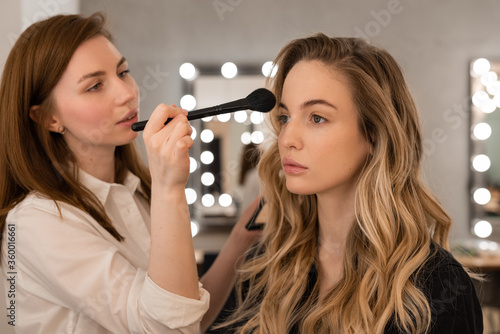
159, 116
175, 129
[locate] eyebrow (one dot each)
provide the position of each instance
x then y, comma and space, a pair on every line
311, 103
99, 73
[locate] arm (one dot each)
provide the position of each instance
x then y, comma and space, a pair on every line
172, 264
72, 272
220, 278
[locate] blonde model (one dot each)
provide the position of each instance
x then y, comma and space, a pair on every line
354, 241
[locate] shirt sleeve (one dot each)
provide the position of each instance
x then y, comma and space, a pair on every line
454, 303
76, 265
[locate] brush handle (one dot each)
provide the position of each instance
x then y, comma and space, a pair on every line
251, 225
241, 104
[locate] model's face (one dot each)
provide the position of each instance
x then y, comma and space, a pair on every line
96, 100
321, 147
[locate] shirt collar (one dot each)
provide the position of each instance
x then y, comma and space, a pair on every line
101, 189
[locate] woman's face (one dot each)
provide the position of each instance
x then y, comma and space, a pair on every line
96, 100
321, 147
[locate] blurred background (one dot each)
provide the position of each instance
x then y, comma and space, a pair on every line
448, 50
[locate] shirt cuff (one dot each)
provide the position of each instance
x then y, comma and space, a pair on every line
173, 310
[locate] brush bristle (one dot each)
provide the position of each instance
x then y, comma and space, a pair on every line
261, 100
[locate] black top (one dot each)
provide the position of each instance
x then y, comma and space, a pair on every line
448, 288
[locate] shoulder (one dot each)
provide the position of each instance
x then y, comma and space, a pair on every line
451, 293
39, 212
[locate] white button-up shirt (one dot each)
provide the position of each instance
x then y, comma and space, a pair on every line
70, 275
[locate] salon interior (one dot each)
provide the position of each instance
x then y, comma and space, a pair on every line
198, 54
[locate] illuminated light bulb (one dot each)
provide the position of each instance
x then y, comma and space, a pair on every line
188, 102
208, 200
193, 164
257, 137
488, 106
225, 200
489, 78
206, 136
187, 71
481, 66
190, 195
483, 245
194, 133
482, 131
256, 117
482, 196
224, 117
268, 70
483, 228
240, 116
207, 157
496, 98
479, 97
229, 70
194, 229
493, 88
207, 179
246, 138
481, 163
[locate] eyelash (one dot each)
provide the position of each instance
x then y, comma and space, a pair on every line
99, 84
94, 87
123, 73
283, 119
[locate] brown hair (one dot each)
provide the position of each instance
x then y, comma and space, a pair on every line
396, 214
249, 159
31, 157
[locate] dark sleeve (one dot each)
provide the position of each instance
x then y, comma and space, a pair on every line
453, 300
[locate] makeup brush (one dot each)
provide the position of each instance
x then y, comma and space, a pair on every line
259, 100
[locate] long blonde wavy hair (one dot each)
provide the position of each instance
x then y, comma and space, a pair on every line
397, 216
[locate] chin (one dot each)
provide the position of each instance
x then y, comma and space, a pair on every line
299, 190
131, 137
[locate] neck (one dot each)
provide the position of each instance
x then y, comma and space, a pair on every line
335, 219
98, 162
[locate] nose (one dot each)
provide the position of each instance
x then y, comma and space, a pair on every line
127, 90
290, 136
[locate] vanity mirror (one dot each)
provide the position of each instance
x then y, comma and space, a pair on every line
485, 150
214, 191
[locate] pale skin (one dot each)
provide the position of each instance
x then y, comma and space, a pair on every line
322, 152
96, 101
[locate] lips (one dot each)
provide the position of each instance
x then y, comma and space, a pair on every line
128, 117
292, 167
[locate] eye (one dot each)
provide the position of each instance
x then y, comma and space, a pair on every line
124, 73
283, 119
94, 88
318, 119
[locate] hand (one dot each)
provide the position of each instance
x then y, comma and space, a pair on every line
241, 236
167, 146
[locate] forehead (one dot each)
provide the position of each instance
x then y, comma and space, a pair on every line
315, 80
94, 54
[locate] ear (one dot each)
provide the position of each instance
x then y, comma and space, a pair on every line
53, 123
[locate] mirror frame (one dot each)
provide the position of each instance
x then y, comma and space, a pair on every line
194, 182
482, 224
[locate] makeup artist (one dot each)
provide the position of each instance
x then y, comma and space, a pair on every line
95, 241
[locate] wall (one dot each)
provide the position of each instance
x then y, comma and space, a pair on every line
433, 41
